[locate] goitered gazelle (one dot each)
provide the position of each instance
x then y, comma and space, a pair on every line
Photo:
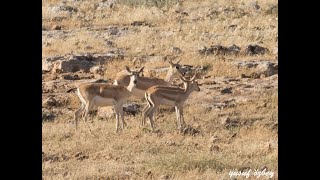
100, 94
169, 96
144, 83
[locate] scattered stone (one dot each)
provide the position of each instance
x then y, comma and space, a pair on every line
80, 156
49, 102
97, 70
132, 109
255, 50
228, 123
220, 50
267, 68
171, 143
189, 130
139, 23
175, 50
226, 90
70, 77
214, 139
47, 115
56, 27
214, 148
74, 63
165, 177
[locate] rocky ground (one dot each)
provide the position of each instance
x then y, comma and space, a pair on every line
232, 121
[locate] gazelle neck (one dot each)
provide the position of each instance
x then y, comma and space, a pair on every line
131, 86
188, 90
169, 76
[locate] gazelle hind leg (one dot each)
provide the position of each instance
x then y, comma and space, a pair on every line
88, 108
77, 114
145, 113
151, 115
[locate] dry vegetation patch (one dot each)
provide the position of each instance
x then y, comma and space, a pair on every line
232, 122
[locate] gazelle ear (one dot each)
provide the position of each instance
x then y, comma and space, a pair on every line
128, 69
141, 69
170, 62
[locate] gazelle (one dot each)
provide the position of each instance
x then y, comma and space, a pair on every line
100, 94
144, 83
169, 96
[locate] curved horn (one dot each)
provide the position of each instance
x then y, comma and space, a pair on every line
193, 77
178, 61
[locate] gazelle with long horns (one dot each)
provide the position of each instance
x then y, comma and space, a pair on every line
169, 96
100, 94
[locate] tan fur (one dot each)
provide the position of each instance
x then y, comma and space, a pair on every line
100, 95
169, 96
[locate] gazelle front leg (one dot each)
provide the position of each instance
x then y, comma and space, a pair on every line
121, 113
116, 110
182, 123
178, 117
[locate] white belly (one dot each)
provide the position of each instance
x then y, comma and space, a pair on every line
100, 101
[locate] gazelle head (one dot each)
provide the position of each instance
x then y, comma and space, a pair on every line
191, 84
175, 68
133, 76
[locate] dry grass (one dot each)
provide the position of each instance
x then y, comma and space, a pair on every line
138, 153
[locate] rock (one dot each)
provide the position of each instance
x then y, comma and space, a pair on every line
97, 70
81, 156
105, 112
255, 49
74, 63
165, 177
214, 148
189, 130
266, 68
228, 123
171, 143
233, 49
48, 87
56, 27
227, 90
139, 23
175, 50
49, 102
220, 50
70, 77
101, 81
213, 139
254, 5
131, 108
47, 115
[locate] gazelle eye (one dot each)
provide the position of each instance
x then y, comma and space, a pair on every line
177, 67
